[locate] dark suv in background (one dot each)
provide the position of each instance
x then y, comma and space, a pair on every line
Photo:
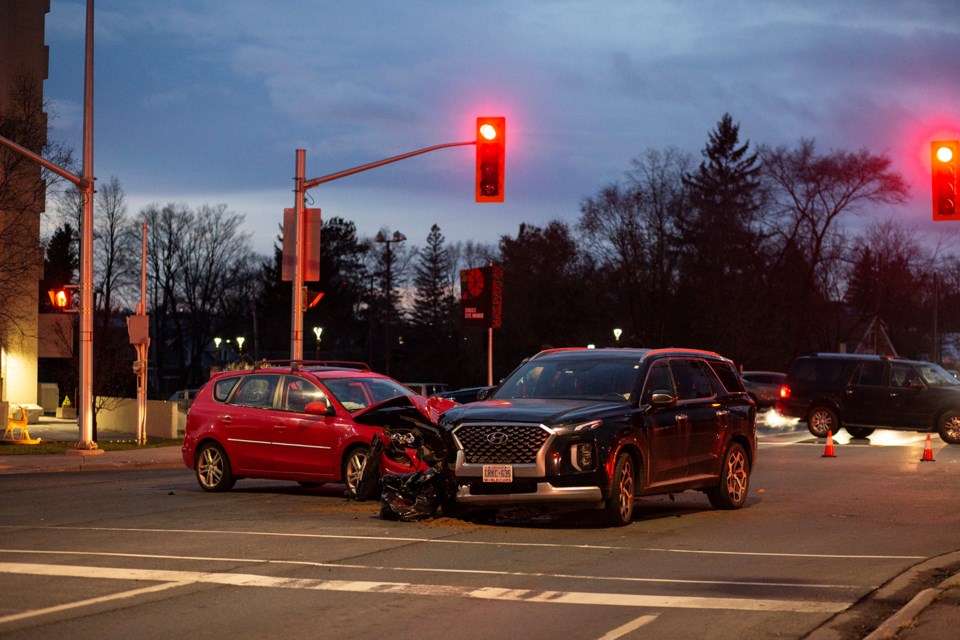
865, 392
596, 428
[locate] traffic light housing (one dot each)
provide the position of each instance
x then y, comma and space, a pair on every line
944, 163
491, 153
60, 298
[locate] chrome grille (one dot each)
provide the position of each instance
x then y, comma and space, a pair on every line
501, 443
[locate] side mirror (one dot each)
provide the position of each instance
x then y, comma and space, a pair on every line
483, 393
318, 408
663, 399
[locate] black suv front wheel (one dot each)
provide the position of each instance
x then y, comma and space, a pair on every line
619, 508
821, 420
949, 427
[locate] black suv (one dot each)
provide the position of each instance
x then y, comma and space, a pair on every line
864, 392
595, 428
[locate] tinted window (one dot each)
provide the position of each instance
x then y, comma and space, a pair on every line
869, 374
223, 387
935, 375
816, 371
256, 391
728, 376
658, 379
692, 383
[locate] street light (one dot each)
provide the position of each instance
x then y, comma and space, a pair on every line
216, 343
240, 340
617, 333
388, 261
317, 331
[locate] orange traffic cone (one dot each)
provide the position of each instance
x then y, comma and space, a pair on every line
927, 451
828, 451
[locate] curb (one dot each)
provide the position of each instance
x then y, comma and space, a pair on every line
912, 610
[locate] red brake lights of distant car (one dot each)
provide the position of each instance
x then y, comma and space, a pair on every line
784, 391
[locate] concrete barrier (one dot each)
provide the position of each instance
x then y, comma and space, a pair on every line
120, 414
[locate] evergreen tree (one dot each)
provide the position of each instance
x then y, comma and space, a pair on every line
433, 301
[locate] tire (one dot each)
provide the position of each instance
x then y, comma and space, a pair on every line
731, 491
618, 510
822, 419
352, 465
949, 427
859, 432
213, 469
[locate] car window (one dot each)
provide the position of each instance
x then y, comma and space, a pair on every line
935, 375
869, 374
903, 375
817, 371
582, 378
355, 394
658, 379
298, 393
728, 376
692, 382
223, 387
256, 391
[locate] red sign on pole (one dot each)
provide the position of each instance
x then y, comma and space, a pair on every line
481, 297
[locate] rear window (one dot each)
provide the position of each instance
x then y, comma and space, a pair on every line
817, 371
223, 387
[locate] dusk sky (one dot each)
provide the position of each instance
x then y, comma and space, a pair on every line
206, 101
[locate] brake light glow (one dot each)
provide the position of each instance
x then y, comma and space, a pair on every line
784, 391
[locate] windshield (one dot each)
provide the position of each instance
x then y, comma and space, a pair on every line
574, 378
935, 375
359, 393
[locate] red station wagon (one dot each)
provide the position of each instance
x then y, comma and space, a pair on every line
288, 423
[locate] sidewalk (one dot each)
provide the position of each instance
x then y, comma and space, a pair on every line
55, 430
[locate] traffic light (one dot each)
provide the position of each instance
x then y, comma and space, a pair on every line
60, 298
944, 162
491, 153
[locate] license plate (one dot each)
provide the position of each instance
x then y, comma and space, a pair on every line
497, 473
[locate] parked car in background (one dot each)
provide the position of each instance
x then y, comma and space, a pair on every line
596, 428
861, 393
288, 423
428, 388
763, 386
184, 398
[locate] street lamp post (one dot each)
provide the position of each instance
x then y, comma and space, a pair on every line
397, 237
317, 331
240, 340
617, 333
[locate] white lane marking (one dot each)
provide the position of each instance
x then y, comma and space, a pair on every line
623, 630
405, 588
486, 572
327, 536
92, 601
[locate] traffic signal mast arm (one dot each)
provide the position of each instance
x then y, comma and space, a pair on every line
309, 184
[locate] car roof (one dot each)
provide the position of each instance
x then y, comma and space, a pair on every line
862, 357
625, 353
321, 372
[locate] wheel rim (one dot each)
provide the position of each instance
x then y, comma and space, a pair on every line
210, 467
737, 476
952, 427
626, 490
821, 421
352, 472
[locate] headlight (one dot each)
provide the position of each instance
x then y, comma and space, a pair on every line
582, 456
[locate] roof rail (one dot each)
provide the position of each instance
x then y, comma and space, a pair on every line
296, 365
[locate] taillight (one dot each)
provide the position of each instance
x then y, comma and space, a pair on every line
784, 391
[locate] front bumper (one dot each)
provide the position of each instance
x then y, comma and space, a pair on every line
545, 493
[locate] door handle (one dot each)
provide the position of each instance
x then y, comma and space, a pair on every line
682, 417
722, 413
226, 419
279, 427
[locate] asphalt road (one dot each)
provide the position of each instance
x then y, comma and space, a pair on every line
147, 554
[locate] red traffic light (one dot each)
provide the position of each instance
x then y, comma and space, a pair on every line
944, 163
59, 298
491, 154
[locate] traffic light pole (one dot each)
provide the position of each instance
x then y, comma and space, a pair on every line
85, 183
302, 185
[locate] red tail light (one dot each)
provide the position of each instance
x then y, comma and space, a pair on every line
784, 391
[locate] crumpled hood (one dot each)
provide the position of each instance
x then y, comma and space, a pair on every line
540, 411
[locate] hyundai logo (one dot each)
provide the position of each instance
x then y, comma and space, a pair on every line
497, 437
